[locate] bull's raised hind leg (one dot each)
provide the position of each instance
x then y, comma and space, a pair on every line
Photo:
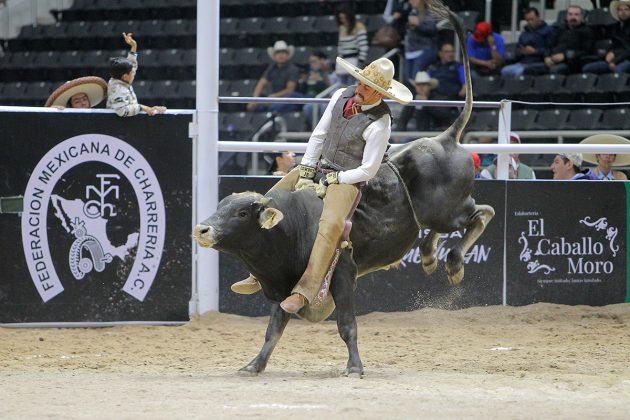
278, 320
427, 252
455, 258
342, 289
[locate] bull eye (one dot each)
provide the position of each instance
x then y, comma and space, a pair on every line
242, 213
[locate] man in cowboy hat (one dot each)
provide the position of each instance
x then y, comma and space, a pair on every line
84, 92
344, 151
617, 59
278, 81
426, 117
606, 161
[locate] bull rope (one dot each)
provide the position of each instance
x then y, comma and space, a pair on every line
413, 211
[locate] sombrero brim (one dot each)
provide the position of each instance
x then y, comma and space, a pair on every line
613, 8
290, 49
94, 87
397, 91
620, 160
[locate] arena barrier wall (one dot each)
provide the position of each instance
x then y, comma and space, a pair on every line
550, 241
105, 230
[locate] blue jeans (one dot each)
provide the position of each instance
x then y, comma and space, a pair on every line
281, 107
600, 67
518, 69
417, 64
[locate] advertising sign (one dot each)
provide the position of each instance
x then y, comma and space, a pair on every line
566, 242
104, 233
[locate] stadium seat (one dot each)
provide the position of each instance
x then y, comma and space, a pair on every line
544, 87
574, 86
513, 87
143, 89
295, 121
484, 120
551, 119
607, 88
469, 18
582, 119
616, 119
486, 88
524, 119
302, 28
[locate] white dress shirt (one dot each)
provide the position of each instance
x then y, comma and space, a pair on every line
376, 137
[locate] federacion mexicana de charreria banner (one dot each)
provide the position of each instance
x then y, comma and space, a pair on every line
104, 231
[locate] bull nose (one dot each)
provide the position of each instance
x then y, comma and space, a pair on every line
204, 235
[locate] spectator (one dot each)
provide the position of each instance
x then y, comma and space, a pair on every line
280, 163
517, 169
605, 162
420, 39
314, 82
617, 58
120, 95
353, 42
449, 73
427, 118
569, 43
566, 166
279, 80
396, 14
486, 50
477, 164
84, 92
531, 46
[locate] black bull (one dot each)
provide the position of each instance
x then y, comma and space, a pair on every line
426, 184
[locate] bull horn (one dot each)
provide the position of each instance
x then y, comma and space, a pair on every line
264, 201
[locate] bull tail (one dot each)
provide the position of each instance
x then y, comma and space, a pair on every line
456, 129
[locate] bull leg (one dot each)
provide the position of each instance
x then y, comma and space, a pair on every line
278, 320
455, 258
342, 290
427, 252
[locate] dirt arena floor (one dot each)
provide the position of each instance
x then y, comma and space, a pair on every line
537, 361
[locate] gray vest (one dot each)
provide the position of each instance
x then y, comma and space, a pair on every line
344, 143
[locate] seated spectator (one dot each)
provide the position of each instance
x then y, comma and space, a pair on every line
569, 43
477, 165
280, 163
566, 166
278, 81
617, 58
605, 162
427, 117
84, 92
449, 74
420, 39
531, 46
396, 14
486, 50
314, 81
353, 42
517, 169
120, 95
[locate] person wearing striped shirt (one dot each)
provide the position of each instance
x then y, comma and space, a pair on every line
353, 42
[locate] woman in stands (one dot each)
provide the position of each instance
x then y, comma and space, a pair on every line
353, 42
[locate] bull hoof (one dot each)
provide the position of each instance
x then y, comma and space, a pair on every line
429, 267
247, 371
353, 373
456, 278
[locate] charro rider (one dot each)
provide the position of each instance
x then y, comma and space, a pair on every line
345, 150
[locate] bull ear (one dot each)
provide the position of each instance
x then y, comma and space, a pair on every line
270, 217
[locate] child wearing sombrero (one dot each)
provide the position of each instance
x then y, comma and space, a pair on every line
120, 95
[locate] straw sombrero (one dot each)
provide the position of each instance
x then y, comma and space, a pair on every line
94, 87
620, 160
379, 75
613, 7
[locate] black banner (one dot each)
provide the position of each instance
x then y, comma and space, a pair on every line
105, 230
403, 289
566, 242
